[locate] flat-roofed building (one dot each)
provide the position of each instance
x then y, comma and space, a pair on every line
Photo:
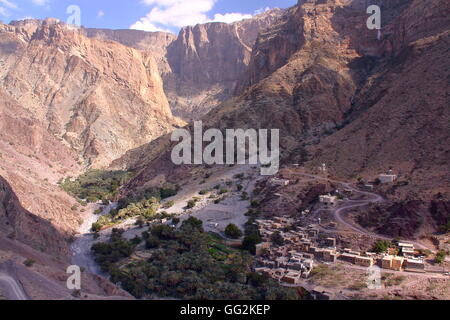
364, 261
397, 263
292, 277
328, 255
328, 199
415, 265
330, 242
392, 263
386, 262
347, 257
387, 178
262, 247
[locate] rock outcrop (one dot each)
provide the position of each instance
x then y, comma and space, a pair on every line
356, 99
101, 98
207, 60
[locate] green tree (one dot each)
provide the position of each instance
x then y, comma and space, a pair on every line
382, 246
250, 243
440, 256
232, 231
277, 239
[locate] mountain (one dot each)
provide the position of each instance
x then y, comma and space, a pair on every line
101, 98
207, 60
203, 64
343, 95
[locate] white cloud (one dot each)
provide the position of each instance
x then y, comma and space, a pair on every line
147, 26
230, 17
174, 14
100, 14
180, 13
9, 4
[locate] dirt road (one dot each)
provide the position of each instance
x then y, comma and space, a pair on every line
353, 204
12, 289
81, 247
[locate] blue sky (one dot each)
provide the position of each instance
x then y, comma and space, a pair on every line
149, 15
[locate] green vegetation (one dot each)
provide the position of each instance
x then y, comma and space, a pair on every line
232, 231
382, 246
29, 262
144, 204
239, 176
277, 239
169, 204
191, 204
186, 263
96, 185
440, 256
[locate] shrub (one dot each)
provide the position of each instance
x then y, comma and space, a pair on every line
440, 256
191, 204
382, 246
194, 222
169, 204
203, 192
152, 242
29, 262
233, 232
250, 243
96, 185
277, 239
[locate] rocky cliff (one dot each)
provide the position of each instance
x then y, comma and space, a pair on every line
207, 61
203, 64
357, 99
101, 98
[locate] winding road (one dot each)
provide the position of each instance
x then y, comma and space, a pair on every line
81, 247
14, 290
353, 204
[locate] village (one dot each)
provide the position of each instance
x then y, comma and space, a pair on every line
295, 253
289, 252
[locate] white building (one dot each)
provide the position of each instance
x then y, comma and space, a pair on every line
328, 199
279, 182
387, 178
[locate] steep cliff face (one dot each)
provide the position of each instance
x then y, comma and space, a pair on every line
18, 223
357, 99
100, 97
32, 162
154, 42
207, 60
399, 117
